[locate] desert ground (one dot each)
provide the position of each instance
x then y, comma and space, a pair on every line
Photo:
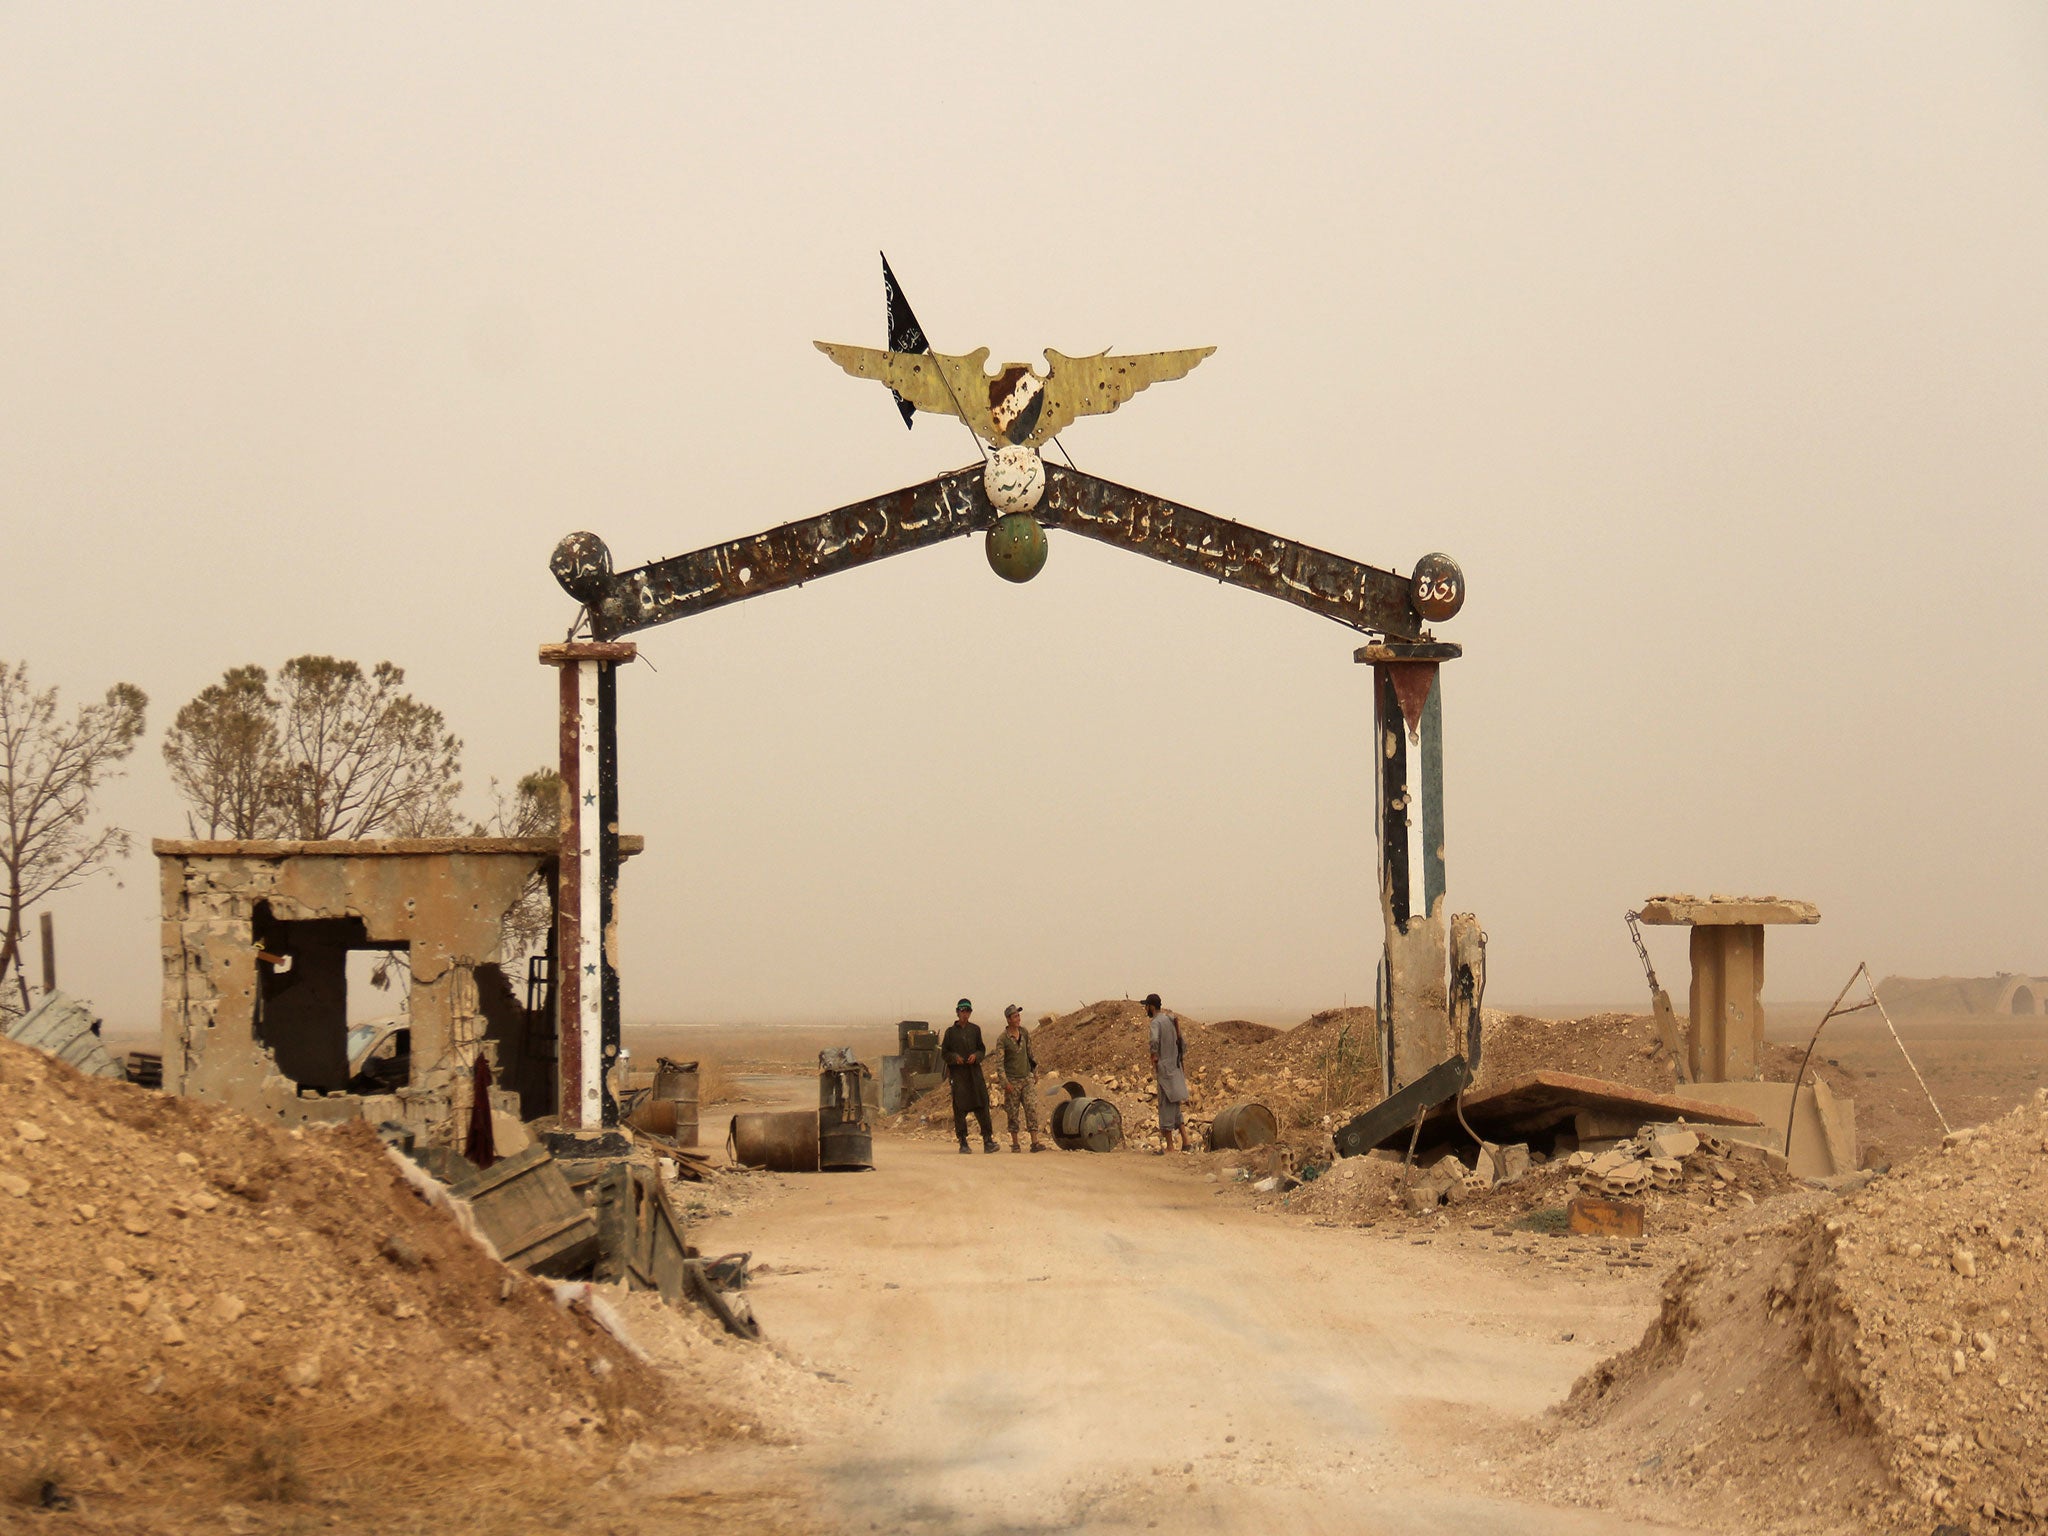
1067, 1342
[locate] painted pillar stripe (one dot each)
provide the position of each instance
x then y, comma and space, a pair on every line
590, 903
568, 907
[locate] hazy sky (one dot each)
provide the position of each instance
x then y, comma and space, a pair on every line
1709, 339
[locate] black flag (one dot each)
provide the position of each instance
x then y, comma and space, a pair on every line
905, 334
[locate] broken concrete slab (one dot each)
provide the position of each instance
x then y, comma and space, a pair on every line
1823, 1125
1731, 911
1546, 1101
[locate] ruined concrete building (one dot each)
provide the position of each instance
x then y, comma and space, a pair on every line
256, 943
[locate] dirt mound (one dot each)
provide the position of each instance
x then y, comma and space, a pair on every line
196, 1307
1884, 1355
1620, 1047
1311, 1076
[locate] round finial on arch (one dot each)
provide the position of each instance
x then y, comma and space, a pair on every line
1437, 587
583, 566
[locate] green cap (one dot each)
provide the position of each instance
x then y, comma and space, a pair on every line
963, 1003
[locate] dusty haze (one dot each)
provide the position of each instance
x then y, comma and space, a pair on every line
1709, 341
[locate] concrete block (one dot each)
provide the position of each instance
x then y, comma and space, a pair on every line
1672, 1141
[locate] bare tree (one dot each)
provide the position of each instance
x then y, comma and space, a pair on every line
331, 752
533, 809
224, 756
49, 770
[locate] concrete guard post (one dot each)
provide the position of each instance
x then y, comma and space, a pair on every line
586, 943
1725, 1041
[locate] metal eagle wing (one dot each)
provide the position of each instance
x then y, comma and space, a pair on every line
931, 381
1091, 386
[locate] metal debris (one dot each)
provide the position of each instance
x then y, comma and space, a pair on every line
65, 1028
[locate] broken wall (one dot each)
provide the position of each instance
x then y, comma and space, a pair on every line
235, 1031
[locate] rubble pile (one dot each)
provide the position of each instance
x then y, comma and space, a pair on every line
1683, 1179
198, 1306
1885, 1353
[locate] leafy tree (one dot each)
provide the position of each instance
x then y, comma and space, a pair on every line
49, 769
224, 756
360, 756
331, 751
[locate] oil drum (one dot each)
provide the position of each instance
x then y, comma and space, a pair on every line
1084, 1124
845, 1133
1241, 1126
782, 1141
844, 1145
675, 1082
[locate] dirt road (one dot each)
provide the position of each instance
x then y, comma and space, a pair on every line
1078, 1342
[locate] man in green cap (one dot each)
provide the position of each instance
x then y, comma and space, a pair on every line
962, 1049
1019, 1067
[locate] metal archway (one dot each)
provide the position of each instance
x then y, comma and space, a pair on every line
1433, 968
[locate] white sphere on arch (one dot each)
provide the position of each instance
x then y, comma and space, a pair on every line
1014, 478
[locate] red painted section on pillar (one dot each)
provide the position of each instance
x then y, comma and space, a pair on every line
1412, 681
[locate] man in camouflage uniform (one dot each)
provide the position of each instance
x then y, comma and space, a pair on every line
1020, 1066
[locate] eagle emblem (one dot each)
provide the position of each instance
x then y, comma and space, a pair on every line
1017, 406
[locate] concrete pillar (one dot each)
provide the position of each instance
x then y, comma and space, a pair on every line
1726, 1044
586, 945
1416, 1027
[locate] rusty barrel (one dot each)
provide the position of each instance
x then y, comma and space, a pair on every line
782, 1141
1085, 1124
1241, 1126
844, 1146
675, 1082
845, 1134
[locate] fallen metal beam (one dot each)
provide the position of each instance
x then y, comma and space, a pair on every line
1398, 1111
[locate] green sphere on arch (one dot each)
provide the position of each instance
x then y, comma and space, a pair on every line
1016, 547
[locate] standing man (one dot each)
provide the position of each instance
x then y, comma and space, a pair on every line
1169, 1061
1019, 1067
962, 1050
